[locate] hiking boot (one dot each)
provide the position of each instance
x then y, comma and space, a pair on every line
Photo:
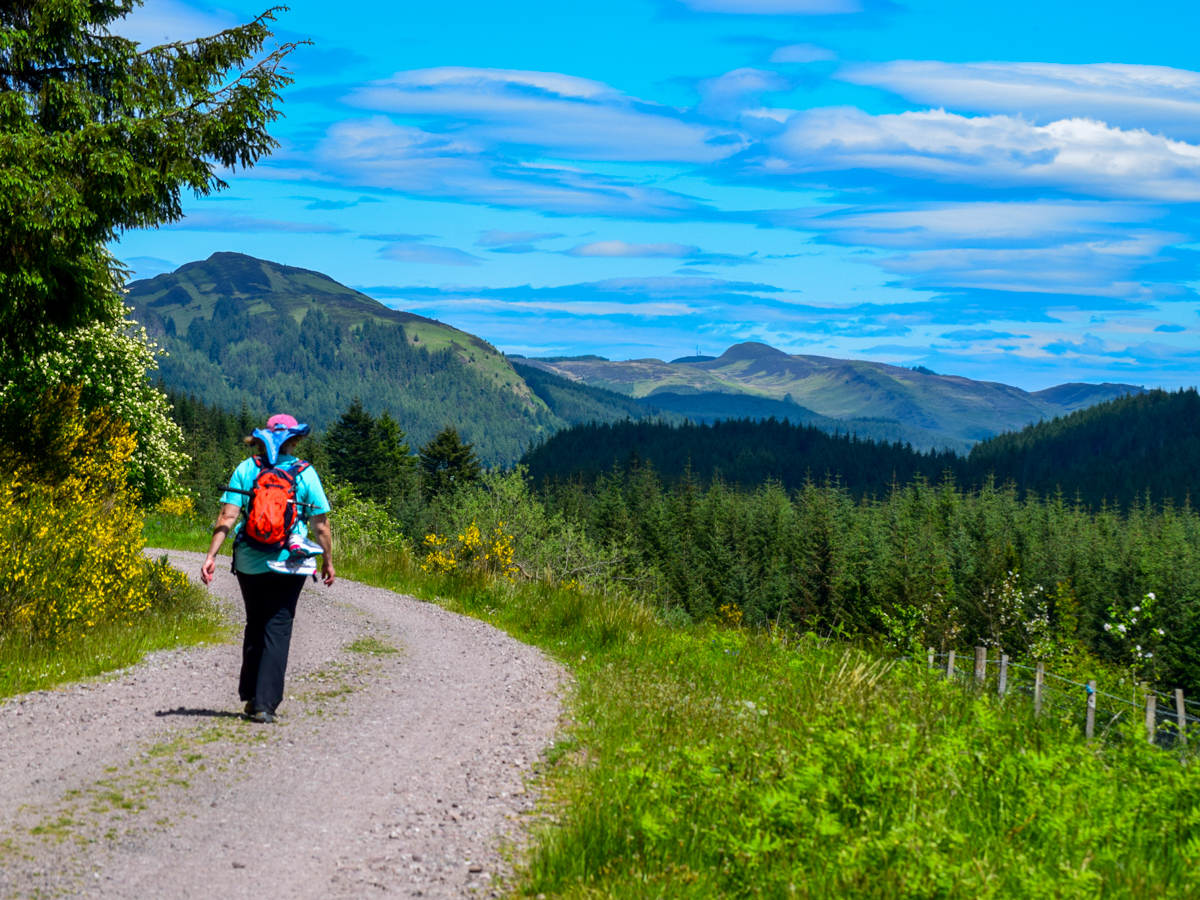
249, 710
261, 717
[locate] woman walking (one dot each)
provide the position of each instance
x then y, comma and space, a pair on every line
282, 498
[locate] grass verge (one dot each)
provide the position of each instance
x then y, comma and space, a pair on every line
189, 618
716, 762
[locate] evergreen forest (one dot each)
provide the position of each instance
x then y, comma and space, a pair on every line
1135, 449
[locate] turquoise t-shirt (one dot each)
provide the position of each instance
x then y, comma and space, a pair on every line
248, 560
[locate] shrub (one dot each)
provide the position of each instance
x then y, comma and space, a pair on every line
70, 530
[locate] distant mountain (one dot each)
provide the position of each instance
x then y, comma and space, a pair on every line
1075, 395
958, 408
274, 337
711, 407
576, 403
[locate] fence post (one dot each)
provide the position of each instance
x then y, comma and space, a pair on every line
950, 666
980, 664
1181, 716
1151, 716
931, 657
1003, 685
1090, 729
1039, 681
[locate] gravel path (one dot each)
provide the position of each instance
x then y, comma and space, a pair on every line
388, 774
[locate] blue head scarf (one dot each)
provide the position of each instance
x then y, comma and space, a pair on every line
274, 438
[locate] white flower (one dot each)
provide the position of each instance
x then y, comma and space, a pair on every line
1108, 626
1137, 609
1149, 655
1151, 595
1138, 647
1121, 628
1161, 632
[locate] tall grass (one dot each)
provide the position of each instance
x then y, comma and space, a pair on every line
711, 761
186, 618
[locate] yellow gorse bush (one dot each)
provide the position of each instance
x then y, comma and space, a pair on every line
473, 551
71, 540
176, 506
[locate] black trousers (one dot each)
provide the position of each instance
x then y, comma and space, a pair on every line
270, 609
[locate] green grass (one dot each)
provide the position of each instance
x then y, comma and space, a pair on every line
711, 762
179, 533
371, 646
189, 619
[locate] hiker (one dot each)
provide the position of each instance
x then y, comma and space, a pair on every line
271, 553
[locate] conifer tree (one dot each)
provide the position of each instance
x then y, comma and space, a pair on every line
98, 135
447, 463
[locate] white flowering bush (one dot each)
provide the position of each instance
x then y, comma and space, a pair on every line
1137, 634
110, 361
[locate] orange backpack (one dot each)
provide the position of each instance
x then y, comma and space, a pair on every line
271, 512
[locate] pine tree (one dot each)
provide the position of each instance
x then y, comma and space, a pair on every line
351, 444
447, 463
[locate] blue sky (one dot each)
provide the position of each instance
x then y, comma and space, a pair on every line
1008, 192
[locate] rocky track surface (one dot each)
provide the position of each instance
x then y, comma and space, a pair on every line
398, 766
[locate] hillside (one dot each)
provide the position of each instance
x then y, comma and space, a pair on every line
1114, 451
243, 330
577, 403
1111, 453
949, 405
742, 452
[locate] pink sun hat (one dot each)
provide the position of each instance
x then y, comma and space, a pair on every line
281, 420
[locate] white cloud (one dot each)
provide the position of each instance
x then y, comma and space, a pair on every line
1157, 98
802, 53
166, 21
558, 114
378, 152
1070, 155
621, 248
775, 7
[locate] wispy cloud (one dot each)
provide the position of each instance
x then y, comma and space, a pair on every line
561, 114
775, 7
977, 334
206, 221
1155, 98
413, 252
318, 203
504, 238
411, 248
376, 151
802, 53
1070, 156
623, 249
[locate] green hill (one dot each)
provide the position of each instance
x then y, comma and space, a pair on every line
1114, 451
274, 337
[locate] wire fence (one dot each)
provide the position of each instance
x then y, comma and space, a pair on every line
1169, 718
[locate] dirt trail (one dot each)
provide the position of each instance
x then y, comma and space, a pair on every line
389, 774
